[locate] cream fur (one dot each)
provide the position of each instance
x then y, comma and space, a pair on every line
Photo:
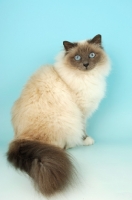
88, 88
56, 102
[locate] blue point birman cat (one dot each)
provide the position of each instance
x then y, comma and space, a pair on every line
50, 114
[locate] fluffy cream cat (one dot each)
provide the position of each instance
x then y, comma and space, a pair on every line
51, 113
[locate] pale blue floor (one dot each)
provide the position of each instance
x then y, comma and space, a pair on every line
105, 173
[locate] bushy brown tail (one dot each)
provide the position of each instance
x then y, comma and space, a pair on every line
49, 166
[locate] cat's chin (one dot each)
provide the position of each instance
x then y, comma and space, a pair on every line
84, 69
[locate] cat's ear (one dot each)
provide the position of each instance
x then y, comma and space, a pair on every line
68, 45
97, 40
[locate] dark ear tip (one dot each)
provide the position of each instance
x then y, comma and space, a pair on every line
65, 42
99, 35
96, 40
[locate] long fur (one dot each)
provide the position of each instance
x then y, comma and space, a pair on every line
49, 166
51, 112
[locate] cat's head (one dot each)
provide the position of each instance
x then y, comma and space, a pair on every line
85, 55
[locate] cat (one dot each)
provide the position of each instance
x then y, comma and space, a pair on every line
50, 115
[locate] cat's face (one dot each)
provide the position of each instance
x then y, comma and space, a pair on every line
86, 55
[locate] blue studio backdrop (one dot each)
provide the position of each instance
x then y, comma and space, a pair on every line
31, 34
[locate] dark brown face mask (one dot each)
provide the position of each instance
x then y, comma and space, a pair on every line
84, 56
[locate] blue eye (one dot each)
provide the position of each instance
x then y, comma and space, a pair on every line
77, 57
92, 55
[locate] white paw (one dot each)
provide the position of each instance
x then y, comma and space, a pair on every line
88, 141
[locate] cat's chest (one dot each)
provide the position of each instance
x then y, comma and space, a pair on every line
88, 94
86, 90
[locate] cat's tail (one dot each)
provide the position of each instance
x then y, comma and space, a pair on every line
49, 166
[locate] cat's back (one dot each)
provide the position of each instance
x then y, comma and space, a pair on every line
43, 83
44, 91
44, 102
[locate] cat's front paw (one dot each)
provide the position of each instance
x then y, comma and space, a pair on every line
88, 141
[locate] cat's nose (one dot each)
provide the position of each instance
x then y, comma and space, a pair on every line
85, 64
